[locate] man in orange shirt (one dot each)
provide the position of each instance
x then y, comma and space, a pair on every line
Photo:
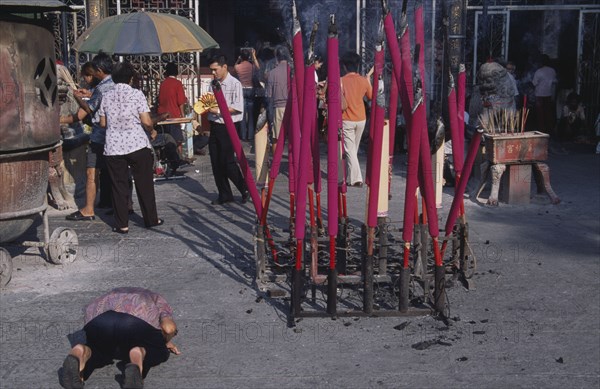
354, 88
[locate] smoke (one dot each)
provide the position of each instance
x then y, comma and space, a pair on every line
345, 15
345, 12
310, 11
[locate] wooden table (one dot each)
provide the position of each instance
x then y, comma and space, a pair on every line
174, 121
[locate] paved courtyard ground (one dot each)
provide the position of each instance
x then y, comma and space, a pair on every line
532, 321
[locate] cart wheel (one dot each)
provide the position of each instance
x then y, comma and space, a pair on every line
63, 245
6, 267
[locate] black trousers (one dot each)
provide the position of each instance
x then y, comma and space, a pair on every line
141, 163
222, 160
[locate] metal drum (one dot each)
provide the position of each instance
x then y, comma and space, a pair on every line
29, 121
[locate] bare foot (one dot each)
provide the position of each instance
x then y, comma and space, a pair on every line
136, 356
82, 353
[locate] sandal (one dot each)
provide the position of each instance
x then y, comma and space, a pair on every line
133, 377
78, 216
69, 376
160, 222
120, 230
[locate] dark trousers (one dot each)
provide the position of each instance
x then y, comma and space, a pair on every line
105, 194
106, 190
546, 114
248, 120
222, 160
141, 163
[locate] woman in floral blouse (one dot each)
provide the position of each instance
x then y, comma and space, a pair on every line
125, 114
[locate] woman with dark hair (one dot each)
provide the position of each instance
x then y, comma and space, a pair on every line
125, 114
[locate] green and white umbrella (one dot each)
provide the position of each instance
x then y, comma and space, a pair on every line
144, 33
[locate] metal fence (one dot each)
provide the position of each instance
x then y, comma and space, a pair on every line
68, 27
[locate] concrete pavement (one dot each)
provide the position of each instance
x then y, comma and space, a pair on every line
532, 321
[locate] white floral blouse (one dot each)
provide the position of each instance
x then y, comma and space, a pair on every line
122, 106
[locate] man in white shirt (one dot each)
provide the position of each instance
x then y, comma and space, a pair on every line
222, 158
544, 80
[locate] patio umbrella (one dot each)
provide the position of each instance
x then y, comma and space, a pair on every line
144, 33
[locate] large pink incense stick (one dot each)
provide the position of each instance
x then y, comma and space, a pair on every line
294, 150
376, 130
306, 122
402, 85
425, 162
334, 124
392, 42
294, 139
237, 147
462, 185
412, 175
273, 173
414, 139
309, 129
406, 83
316, 157
377, 71
298, 53
411, 207
394, 50
304, 169
420, 121
412, 179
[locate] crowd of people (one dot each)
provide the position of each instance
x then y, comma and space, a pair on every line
123, 135
256, 89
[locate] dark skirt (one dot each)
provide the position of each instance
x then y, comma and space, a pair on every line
112, 334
